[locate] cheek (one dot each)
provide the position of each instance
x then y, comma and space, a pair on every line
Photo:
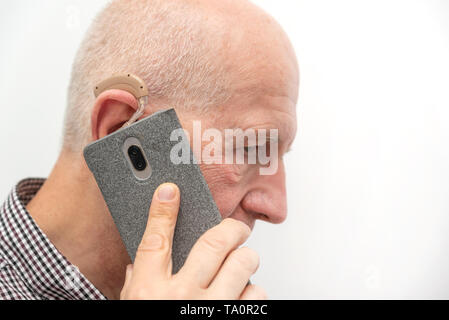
225, 184
220, 175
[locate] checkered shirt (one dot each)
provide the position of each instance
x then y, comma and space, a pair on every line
30, 265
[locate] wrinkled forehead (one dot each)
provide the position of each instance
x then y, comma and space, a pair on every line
265, 90
262, 62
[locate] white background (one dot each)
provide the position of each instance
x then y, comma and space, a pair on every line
368, 178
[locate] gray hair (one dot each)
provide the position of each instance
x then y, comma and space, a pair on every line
171, 45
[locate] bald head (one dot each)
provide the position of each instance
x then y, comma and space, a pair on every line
192, 54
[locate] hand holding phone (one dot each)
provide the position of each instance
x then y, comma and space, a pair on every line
216, 268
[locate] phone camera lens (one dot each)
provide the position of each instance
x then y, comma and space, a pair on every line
137, 158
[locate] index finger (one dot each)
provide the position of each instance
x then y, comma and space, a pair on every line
153, 257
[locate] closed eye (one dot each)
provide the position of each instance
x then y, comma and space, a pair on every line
249, 149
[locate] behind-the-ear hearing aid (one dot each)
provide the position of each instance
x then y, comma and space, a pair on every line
130, 83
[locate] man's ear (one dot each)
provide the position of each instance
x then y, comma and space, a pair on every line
111, 110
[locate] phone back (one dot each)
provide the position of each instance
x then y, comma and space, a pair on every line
129, 198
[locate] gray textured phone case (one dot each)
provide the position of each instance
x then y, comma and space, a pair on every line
129, 198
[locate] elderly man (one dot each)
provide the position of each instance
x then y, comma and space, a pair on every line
224, 62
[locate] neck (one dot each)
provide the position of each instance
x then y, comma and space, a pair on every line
70, 210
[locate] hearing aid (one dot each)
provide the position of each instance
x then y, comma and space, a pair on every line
130, 83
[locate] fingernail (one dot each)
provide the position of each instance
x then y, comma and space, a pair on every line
166, 193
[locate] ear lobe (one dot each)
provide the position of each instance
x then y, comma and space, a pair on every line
111, 110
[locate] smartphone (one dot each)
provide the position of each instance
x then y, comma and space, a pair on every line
128, 166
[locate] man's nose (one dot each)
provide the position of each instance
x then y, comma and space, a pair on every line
267, 198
